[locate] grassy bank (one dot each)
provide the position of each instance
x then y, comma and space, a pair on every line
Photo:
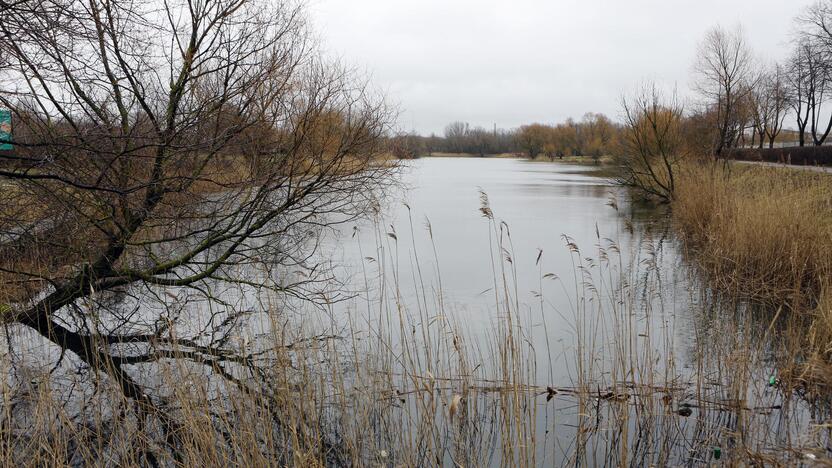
603, 160
764, 234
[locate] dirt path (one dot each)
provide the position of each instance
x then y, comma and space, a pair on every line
788, 166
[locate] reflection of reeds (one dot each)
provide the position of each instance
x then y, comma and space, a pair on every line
763, 233
405, 383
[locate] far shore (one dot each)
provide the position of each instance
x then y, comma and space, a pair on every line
440, 154
603, 160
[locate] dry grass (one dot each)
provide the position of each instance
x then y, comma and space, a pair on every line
761, 232
765, 234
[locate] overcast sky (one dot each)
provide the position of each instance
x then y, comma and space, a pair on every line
521, 61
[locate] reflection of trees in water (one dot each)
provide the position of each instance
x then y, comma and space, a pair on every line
385, 393
703, 386
187, 156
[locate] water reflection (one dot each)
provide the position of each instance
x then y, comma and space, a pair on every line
539, 202
566, 329
646, 366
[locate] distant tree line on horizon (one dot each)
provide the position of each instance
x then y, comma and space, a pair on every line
594, 135
743, 101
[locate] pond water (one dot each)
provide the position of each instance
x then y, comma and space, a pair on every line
603, 300
568, 320
552, 225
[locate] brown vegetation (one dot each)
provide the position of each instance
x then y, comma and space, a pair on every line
724, 77
763, 234
652, 143
594, 136
163, 153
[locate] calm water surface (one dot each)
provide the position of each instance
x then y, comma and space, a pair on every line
538, 208
599, 294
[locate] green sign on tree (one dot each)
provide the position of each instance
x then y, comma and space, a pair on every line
5, 130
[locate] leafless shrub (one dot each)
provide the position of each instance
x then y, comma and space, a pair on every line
652, 142
167, 149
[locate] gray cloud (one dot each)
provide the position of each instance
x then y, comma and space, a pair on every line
515, 62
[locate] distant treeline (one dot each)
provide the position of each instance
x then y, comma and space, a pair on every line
594, 135
459, 137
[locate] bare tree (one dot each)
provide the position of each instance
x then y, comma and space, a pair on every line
482, 141
776, 102
575, 130
759, 114
652, 142
812, 71
597, 133
455, 135
724, 79
806, 84
532, 138
407, 145
815, 24
769, 103
163, 149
